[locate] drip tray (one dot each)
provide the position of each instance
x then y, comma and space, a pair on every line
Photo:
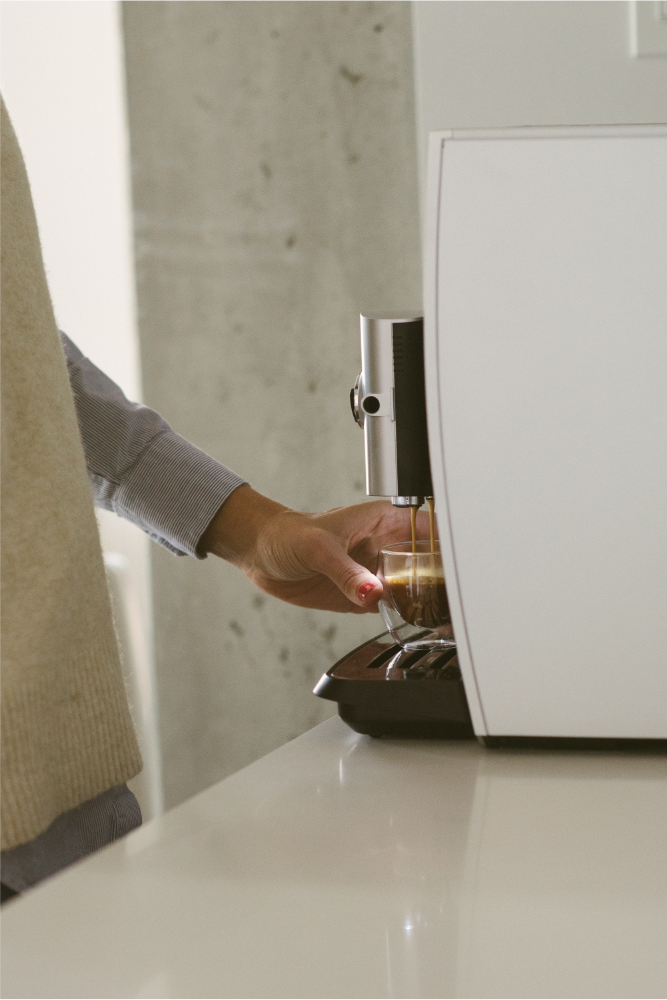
383, 690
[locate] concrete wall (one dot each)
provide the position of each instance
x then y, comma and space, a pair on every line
275, 191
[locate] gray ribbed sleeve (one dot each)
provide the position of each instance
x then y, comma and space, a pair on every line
138, 467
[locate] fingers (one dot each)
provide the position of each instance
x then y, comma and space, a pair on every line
360, 586
369, 593
340, 547
354, 537
377, 523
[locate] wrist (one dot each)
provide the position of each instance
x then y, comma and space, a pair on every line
234, 531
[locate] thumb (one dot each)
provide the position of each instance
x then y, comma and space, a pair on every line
358, 584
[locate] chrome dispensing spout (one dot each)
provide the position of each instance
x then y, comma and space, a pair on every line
388, 401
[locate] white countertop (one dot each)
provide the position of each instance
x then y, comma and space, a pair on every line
341, 866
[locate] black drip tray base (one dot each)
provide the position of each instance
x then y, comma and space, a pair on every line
383, 690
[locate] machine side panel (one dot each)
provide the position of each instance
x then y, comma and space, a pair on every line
547, 365
436, 387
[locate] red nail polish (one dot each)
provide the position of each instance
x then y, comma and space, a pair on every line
365, 589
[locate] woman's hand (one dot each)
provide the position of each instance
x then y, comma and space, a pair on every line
325, 561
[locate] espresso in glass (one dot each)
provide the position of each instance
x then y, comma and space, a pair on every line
414, 602
420, 597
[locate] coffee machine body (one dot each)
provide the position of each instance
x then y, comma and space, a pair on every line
546, 363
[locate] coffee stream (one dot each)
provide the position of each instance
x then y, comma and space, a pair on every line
413, 525
431, 519
421, 597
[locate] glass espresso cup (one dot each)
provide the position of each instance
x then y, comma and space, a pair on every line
414, 602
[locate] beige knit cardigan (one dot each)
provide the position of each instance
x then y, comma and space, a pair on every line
66, 728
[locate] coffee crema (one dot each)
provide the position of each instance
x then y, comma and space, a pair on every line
420, 596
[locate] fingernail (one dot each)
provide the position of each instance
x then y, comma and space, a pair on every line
364, 590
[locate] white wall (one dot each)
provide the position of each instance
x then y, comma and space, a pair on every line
63, 83
62, 80
530, 63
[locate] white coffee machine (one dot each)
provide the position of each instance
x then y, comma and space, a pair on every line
546, 382
544, 346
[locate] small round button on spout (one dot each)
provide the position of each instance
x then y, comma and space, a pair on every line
371, 404
355, 399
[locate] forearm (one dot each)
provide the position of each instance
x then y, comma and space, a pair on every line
139, 468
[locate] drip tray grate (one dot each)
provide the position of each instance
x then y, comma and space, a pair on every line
367, 684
